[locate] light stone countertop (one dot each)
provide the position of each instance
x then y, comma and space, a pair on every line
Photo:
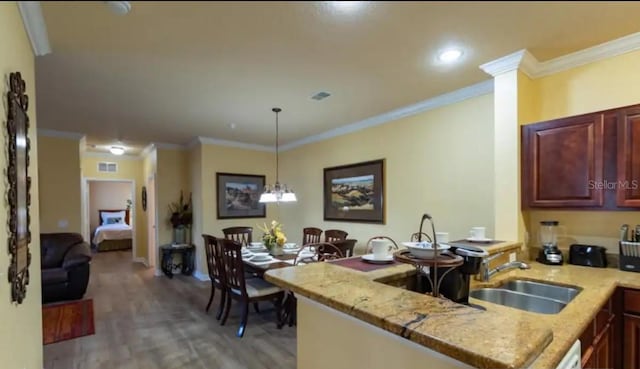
483, 339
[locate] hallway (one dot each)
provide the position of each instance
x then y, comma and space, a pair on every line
147, 322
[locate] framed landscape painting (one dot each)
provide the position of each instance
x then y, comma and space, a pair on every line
355, 192
238, 195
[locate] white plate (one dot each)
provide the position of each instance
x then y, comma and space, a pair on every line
261, 257
479, 239
371, 258
291, 251
290, 245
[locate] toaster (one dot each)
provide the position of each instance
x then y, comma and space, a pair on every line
588, 255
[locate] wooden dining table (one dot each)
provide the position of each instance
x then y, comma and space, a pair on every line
259, 268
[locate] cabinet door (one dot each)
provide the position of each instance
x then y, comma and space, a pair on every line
604, 359
628, 186
631, 341
563, 162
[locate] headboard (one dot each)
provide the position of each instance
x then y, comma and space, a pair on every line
126, 214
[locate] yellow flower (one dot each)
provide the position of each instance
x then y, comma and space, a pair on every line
281, 240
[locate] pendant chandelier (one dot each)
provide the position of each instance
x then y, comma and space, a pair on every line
278, 192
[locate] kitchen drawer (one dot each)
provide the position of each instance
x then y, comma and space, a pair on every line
632, 301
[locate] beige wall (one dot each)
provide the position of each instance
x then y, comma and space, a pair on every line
205, 161
59, 173
439, 162
172, 177
21, 332
128, 169
593, 87
107, 195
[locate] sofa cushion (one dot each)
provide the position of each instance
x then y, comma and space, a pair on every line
53, 247
54, 276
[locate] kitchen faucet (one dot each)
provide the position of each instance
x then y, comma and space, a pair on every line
486, 273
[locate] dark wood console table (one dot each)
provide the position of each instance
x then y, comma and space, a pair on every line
187, 253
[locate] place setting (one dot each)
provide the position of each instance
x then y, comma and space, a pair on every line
381, 253
256, 247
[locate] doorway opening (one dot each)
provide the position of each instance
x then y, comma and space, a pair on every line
109, 215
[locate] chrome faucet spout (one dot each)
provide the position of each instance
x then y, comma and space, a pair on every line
486, 273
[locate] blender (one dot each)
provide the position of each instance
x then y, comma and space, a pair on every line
550, 254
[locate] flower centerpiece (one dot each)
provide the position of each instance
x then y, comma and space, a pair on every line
180, 218
273, 237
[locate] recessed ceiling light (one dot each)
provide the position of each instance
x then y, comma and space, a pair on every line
117, 150
450, 55
347, 6
119, 7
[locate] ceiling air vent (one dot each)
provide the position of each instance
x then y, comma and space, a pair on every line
106, 167
320, 95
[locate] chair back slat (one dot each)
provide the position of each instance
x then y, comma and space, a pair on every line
239, 234
322, 251
345, 246
213, 254
233, 265
311, 235
332, 235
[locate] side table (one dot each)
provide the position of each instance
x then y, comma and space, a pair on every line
187, 254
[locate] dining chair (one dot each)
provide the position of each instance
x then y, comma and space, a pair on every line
243, 290
311, 235
239, 234
369, 249
345, 246
214, 265
416, 236
331, 235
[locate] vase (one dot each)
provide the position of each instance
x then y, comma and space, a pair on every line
180, 235
276, 250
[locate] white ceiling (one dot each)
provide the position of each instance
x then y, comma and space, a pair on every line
171, 71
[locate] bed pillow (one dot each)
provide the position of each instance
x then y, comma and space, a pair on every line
112, 214
114, 220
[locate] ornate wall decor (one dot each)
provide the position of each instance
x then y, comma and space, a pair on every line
18, 194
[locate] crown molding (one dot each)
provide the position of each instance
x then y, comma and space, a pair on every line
168, 146
533, 68
147, 150
241, 145
35, 26
453, 97
60, 134
109, 156
521, 59
592, 54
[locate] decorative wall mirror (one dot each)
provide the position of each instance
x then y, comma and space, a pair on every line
18, 194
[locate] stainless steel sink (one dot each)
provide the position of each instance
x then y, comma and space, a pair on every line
537, 297
550, 291
518, 300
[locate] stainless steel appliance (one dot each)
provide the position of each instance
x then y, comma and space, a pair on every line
550, 254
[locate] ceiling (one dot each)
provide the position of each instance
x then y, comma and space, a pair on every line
170, 71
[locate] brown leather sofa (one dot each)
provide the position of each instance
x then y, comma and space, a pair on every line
65, 265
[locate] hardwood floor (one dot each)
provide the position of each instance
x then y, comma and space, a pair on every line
147, 322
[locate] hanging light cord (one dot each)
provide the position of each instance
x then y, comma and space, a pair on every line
277, 110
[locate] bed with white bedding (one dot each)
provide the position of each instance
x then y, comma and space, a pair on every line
114, 232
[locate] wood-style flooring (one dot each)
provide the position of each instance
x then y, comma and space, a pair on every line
147, 322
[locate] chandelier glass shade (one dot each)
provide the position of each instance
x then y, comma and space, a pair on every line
278, 192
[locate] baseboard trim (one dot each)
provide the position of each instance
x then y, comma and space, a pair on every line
142, 261
201, 276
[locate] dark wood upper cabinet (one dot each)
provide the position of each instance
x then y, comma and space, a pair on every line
562, 162
628, 184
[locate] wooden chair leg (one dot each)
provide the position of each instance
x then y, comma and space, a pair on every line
278, 305
292, 314
213, 292
226, 310
243, 322
221, 306
256, 308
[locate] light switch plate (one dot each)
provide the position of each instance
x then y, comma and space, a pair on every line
512, 257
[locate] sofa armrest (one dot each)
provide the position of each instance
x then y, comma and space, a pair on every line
76, 255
